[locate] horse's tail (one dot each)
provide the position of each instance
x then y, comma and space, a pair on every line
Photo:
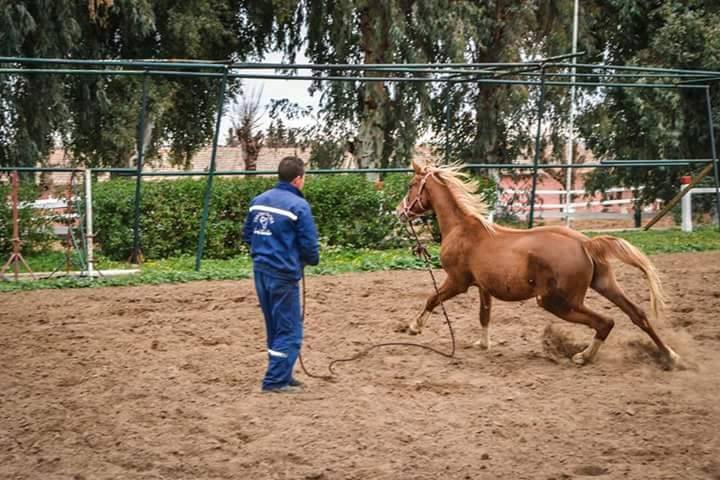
604, 247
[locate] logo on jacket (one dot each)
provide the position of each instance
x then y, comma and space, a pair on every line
262, 221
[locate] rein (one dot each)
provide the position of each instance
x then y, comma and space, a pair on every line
302, 364
421, 251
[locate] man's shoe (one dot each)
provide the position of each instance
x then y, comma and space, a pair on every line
284, 389
296, 383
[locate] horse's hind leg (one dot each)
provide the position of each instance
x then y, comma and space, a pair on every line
605, 284
485, 305
580, 314
451, 286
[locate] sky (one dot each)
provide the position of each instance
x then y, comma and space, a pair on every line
294, 90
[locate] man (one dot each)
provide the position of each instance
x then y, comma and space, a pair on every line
283, 238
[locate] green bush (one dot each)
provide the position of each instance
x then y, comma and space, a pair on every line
35, 225
349, 210
170, 216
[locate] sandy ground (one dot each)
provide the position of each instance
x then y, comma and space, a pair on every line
163, 382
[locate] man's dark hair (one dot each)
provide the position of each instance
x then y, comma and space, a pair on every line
290, 168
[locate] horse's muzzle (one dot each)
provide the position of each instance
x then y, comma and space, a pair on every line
402, 215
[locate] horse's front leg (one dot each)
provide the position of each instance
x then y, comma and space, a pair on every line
450, 287
485, 304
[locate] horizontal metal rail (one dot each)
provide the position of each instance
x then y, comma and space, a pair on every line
490, 81
673, 71
132, 172
222, 64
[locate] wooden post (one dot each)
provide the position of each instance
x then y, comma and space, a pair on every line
708, 168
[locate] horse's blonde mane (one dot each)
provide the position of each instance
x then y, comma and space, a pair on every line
463, 189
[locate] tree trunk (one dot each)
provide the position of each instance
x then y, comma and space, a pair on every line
487, 148
373, 119
251, 148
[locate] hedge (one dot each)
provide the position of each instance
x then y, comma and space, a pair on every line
349, 211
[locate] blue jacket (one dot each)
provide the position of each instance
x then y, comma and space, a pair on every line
281, 232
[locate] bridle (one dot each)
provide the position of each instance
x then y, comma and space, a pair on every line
407, 207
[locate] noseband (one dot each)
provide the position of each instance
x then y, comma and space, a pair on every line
407, 207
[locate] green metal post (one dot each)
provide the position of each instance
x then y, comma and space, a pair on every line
136, 255
538, 143
448, 120
211, 174
713, 152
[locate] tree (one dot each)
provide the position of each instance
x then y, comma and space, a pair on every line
26, 124
280, 136
246, 116
326, 154
386, 118
96, 116
651, 124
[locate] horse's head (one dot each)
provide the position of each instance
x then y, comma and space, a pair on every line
417, 200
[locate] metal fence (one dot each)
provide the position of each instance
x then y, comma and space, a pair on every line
538, 73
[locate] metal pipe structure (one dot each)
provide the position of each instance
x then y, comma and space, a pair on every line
672, 71
571, 126
136, 255
538, 147
16, 256
489, 81
132, 172
89, 224
711, 127
211, 175
16, 225
67, 169
41, 169
363, 171
211, 64
525, 69
695, 78
540, 73
448, 119
657, 163
221, 65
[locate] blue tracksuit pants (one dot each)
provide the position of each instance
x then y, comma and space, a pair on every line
280, 303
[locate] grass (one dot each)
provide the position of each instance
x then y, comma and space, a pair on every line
673, 241
333, 261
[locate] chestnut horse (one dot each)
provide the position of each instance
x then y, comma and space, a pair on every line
556, 265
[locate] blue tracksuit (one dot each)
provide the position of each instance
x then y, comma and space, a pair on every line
281, 232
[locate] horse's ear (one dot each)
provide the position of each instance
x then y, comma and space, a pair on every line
418, 169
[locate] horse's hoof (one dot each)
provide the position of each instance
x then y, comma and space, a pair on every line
482, 345
579, 359
673, 361
412, 331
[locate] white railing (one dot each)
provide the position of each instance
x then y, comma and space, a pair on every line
520, 200
48, 203
561, 192
686, 205
53, 204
